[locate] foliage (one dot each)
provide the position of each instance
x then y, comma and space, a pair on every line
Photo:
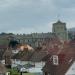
14, 71
13, 43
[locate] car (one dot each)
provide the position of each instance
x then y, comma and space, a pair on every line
23, 69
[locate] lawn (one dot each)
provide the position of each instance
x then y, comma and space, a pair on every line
15, 72
32, 74
28, 74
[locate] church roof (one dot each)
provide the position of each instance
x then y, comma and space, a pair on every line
59, 22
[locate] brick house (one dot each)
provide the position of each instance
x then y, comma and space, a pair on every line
65, 57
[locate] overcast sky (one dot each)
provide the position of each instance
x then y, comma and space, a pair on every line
27, 16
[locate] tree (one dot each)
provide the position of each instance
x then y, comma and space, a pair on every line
13, 43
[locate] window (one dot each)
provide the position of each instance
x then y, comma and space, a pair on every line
55, 59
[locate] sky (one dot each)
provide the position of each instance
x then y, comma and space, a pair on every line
28, 16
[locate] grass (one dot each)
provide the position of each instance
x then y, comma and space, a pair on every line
14, 72
28, 74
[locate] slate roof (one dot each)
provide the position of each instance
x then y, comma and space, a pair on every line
38, 56
34, 56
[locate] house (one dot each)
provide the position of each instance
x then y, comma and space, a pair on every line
25, 46
22, 57
71, 70
3, 48
21, 47
61, 60
3, 70
34, 58
7, 58
37, 58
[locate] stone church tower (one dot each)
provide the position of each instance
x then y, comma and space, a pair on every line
59, 28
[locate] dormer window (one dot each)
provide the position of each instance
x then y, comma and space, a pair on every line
55, 60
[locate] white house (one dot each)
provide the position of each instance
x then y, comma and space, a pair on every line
71, 70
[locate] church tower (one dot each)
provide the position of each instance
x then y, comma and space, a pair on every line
59, 28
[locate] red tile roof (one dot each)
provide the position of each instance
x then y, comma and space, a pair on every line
66, 57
